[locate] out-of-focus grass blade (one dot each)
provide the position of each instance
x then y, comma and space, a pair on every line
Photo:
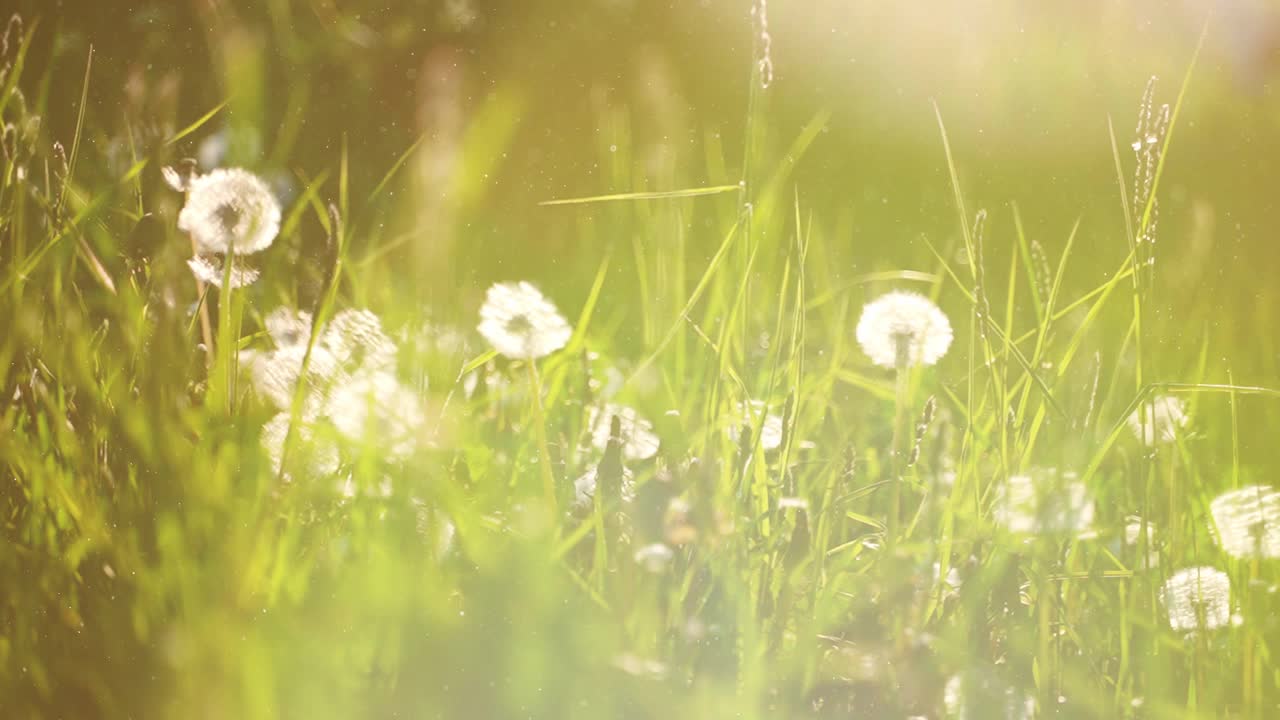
663, 195
197, 124
477, 362
395, 167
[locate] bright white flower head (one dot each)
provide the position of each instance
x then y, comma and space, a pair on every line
638, 439
307, 456
287, 326
372, 406
584, 488
275, 376
211, 269
907, 323
522, 324
1133, 538
356, 338
1040, 502
1247, 521
655, 557
230, 210
1198, 598
1159, 421
749, 413
973, 695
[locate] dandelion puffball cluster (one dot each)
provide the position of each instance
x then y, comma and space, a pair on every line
1247, 522
1044, 501
752, 414
520, 323
349, 385
229, 212
903, 329
1197, 598
636, 433
1159, 421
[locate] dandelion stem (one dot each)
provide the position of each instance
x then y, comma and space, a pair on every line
540, 426
901, 377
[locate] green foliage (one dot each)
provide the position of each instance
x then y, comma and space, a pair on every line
155, 564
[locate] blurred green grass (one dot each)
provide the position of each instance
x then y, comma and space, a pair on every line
154, 567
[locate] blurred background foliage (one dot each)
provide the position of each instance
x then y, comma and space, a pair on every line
509, 104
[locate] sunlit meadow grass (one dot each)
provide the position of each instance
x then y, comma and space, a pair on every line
481, 525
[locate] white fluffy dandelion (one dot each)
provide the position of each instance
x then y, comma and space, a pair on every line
752, 413
275, 376
1044, 502
288, 327
1247, 521
1198, 598
308, 455
230, 211
973, 695
1159, 421
211, 269
903, 329
655, 557
350, 379
584, 488
373, 407
356, 338
1133, 539
520, 323
639, 442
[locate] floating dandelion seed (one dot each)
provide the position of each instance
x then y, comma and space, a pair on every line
230, 211
638, 439
211, 269
520, 323
372, 406
1198, 598
584, 489
903, 329
749, 413
1043, 502
1159, 421
1247, 521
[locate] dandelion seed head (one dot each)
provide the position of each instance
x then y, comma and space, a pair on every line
1159, 421
356, 338
307, 456
1247, 522
971, 696
584, 488
211, 270
1198, 598
275, 376
288, 327
230, 210
371, 406
654, 558
749, 413
639, 442
903, 322
1133, 538
1044, 502
520, 323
